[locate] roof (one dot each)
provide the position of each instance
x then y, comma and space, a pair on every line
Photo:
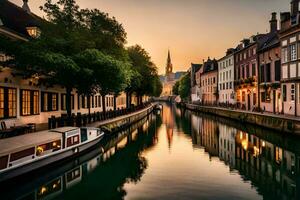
270, 40
19, 143
17, 19
64, 129
210, 65
196, 67
178, 75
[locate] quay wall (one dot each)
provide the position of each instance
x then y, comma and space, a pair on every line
122, 122
279, 123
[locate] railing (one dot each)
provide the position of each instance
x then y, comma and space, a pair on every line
80, 120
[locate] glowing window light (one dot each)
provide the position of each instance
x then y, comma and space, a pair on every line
33, 32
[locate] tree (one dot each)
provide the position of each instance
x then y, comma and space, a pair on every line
70, 34
109, 76
175, 88
184, 88
145, 76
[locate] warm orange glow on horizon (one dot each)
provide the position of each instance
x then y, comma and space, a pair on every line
192, 29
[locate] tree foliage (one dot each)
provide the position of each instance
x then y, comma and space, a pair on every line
184, 88
145, 79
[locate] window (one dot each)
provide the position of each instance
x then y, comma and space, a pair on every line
54, 100
284, 93
243, 96
293, 92
284, 55
263, 97
22, 154
3, 162
268, 72
8, 102
26, 102
63, 100
29, 102
45, 101
247, 71
49, 101
298, 93
253, 69
277, 70
262, 73
293, 52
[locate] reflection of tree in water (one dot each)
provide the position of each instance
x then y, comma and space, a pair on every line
126, 165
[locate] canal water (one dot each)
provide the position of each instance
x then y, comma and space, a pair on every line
174, 154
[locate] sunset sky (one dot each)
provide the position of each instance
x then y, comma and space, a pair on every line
191, 29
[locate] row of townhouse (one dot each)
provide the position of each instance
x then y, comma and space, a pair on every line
262, 72
24, 101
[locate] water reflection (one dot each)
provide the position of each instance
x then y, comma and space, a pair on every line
175, 155
270, 161
93, 175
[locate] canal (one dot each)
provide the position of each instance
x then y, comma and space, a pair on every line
174, 154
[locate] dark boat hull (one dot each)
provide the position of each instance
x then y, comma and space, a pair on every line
12, 173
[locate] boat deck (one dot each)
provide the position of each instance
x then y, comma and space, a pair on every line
18, 143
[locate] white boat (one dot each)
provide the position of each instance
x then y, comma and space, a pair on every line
25, 153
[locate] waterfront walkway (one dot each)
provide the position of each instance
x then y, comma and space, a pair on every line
267, 114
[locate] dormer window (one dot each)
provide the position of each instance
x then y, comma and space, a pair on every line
33, 32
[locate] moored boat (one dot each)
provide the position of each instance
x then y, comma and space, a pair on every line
25, 153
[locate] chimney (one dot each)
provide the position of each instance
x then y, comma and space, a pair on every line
294, 7
25, 6
273, 23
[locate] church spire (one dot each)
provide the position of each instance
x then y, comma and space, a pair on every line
169, 67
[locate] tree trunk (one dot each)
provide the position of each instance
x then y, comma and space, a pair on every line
68, 101
89, 107
103, 104
115, 102
127, 100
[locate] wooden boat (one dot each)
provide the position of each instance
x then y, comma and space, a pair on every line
25, 153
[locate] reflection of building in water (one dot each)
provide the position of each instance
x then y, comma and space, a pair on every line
269, 167
209, 134
169, 121
227, 144
196, 125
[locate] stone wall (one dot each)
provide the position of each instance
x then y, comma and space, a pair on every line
279, 123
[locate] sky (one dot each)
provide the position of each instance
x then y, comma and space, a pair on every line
193, 30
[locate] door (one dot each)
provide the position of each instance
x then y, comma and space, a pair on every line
274, 101
249, 101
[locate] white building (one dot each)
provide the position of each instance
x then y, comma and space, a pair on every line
227, 144
226, 78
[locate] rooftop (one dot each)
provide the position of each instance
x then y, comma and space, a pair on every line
22, 142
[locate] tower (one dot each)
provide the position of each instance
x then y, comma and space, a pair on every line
169, 67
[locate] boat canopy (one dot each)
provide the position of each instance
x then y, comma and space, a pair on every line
64, 129
22, 142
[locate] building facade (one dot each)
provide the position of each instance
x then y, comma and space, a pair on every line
226, 78
195, 88
209, 82
246, 74
290, 60
269, 55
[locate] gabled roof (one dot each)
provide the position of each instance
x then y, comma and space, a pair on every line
16, 19
210, 65
270, 40
196, 67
